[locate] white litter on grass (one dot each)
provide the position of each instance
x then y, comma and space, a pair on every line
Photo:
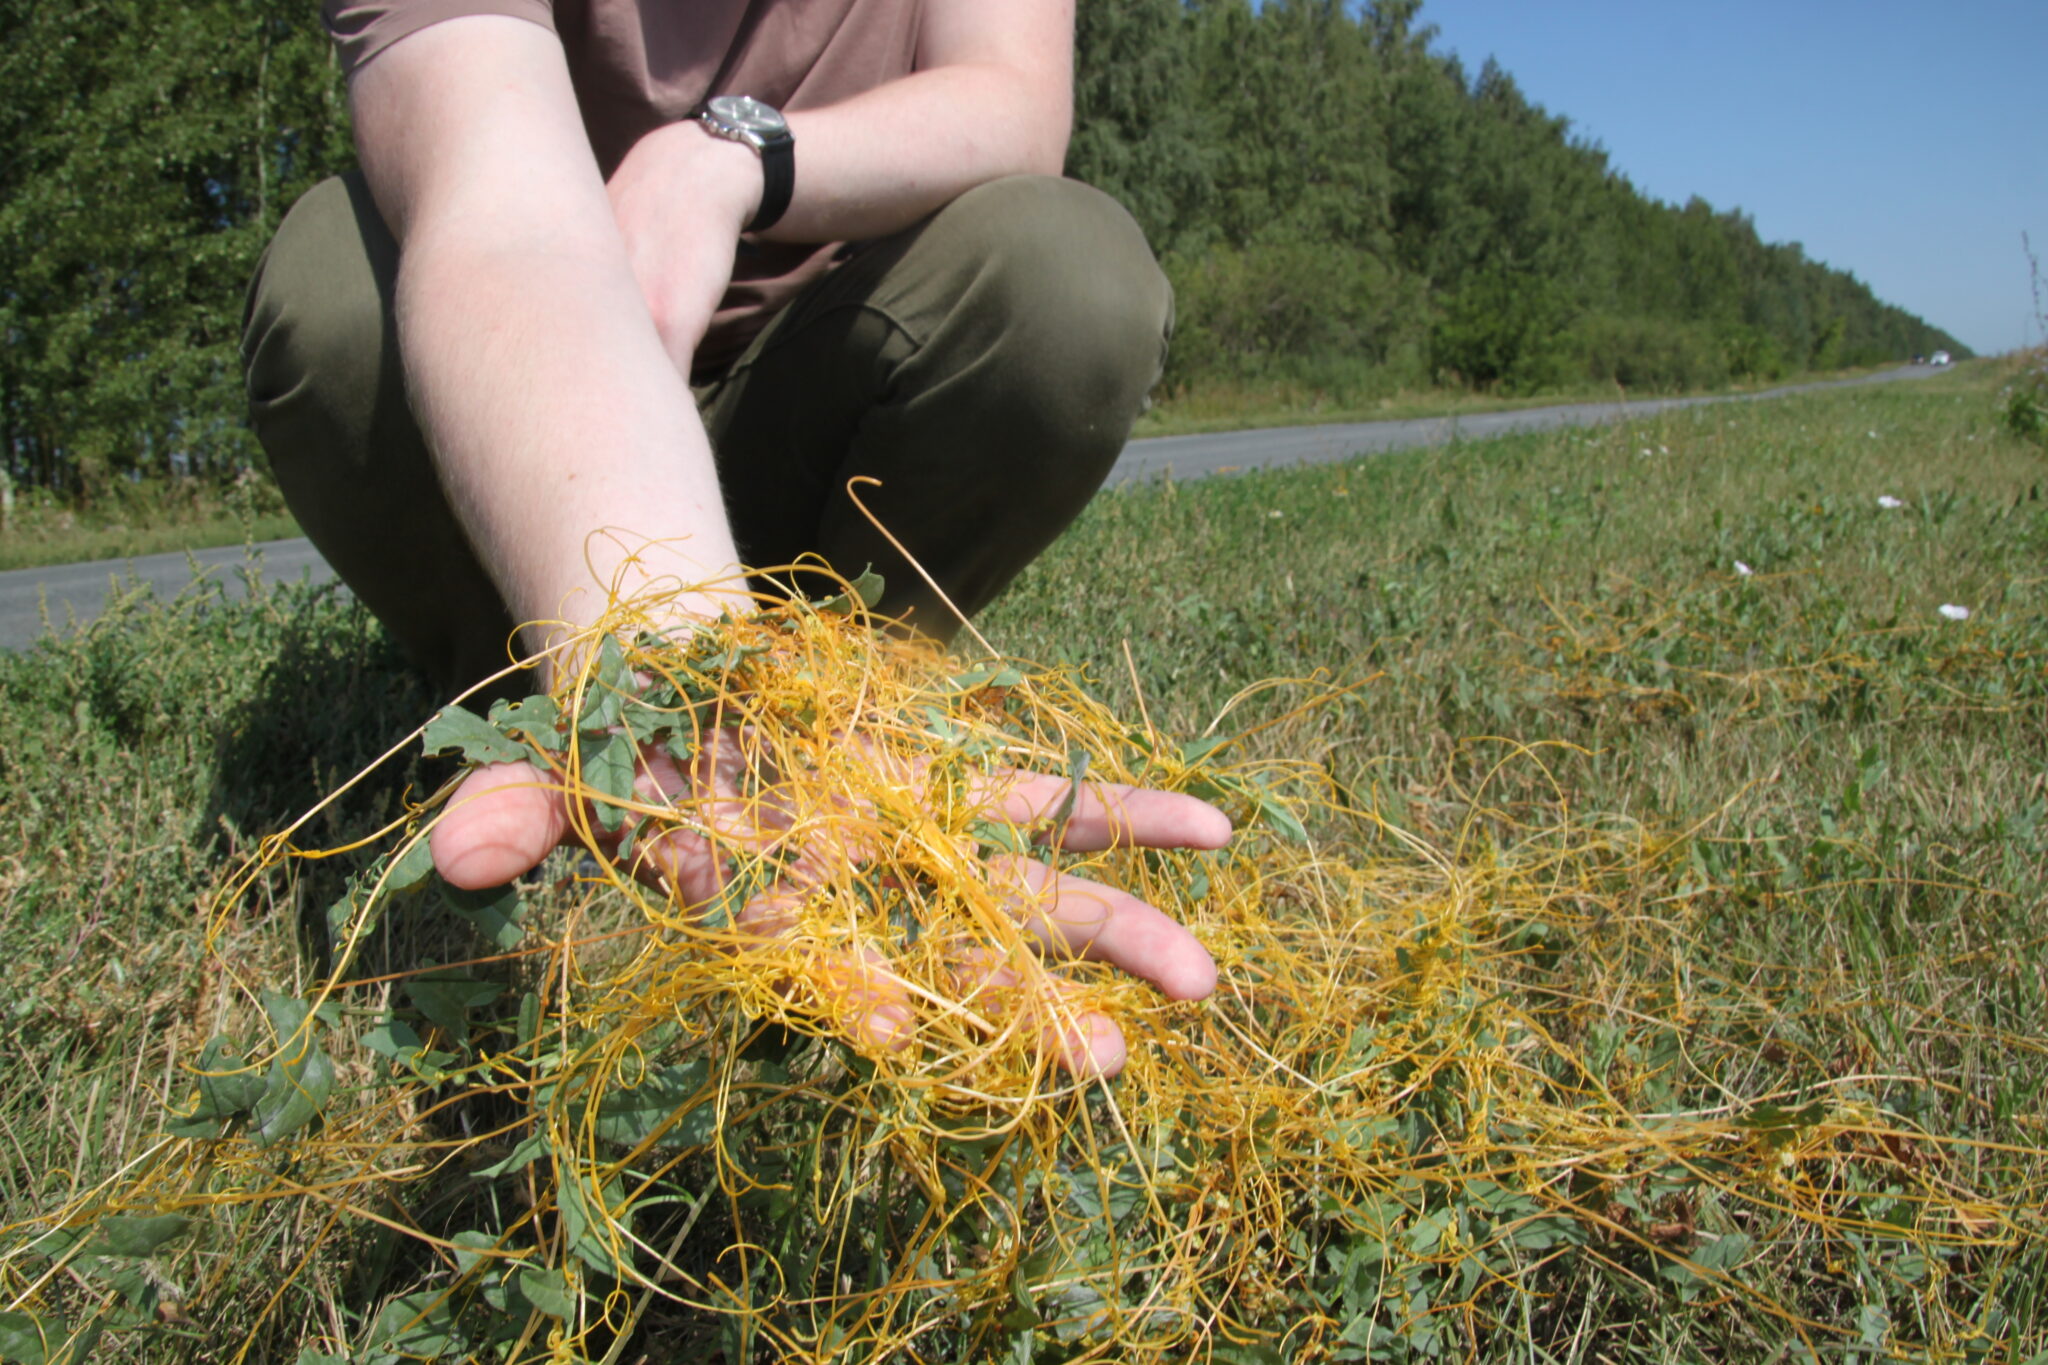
1276, 512
1873, 436
1888, 502
1743, 569
1954, 612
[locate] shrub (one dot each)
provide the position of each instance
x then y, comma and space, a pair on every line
1647, 353
1283, 307
2025, 410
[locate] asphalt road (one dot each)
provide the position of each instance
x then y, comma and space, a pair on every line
35, 600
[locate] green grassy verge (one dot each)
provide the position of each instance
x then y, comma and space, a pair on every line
61, 540
160, 519
1852, 786
1286, 403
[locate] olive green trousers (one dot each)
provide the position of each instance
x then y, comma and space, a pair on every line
985, 365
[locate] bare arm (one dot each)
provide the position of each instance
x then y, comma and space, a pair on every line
553, 409
992, 96
537, 372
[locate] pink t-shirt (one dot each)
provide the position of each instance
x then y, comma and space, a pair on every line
639, 64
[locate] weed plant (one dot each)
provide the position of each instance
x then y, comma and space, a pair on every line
1691, 859
2025, 395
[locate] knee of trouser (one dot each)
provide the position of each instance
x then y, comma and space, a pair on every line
315, 323
1082, 312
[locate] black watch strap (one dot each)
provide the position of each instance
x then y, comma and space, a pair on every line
778, 180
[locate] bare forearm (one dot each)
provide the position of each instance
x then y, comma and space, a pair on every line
552, 410
885, 159
536, 370
992, 96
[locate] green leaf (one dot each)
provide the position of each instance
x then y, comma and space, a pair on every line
869, 587
1023, 1310
420, 1325
138, 1289
447, 1000
480, 741
682, 746
1778, 1125
1250, 1353
1078, 1309
1275, 812
125, 1235
608, 769
27, 1338
537, 719
646, 724
35, 1340
288, 1014
1077, 773
629, 1115
864, 593
494, 913
1000, 835
300, 1080
1195, 750
472, 1250
580, 1225
357, 898
395, 1039
225, 1087
989, 675
413, 866
1724, 1253
530, 1150
606, 691
549, 1291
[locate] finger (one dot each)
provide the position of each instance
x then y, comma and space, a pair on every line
500, 823
1079, 918
1083, 1041
1115, 815
866, 1002
857, 992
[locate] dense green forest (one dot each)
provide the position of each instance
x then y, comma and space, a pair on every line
1340, 205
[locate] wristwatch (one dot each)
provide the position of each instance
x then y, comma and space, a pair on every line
762, 127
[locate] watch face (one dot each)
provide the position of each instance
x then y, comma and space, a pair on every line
748, 114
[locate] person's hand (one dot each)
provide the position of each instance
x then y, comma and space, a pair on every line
504, 818
681, 198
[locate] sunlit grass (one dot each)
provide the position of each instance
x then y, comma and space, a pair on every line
1841, 795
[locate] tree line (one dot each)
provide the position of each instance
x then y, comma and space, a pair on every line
1336, 198
1340, 205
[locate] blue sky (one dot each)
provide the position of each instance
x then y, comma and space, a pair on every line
1905, 143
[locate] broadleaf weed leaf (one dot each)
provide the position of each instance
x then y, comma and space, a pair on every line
134, 1237
478, 740
300, 1081
447, 1000
608, 771
536, 719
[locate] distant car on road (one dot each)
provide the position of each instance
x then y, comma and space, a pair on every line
1938, 358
